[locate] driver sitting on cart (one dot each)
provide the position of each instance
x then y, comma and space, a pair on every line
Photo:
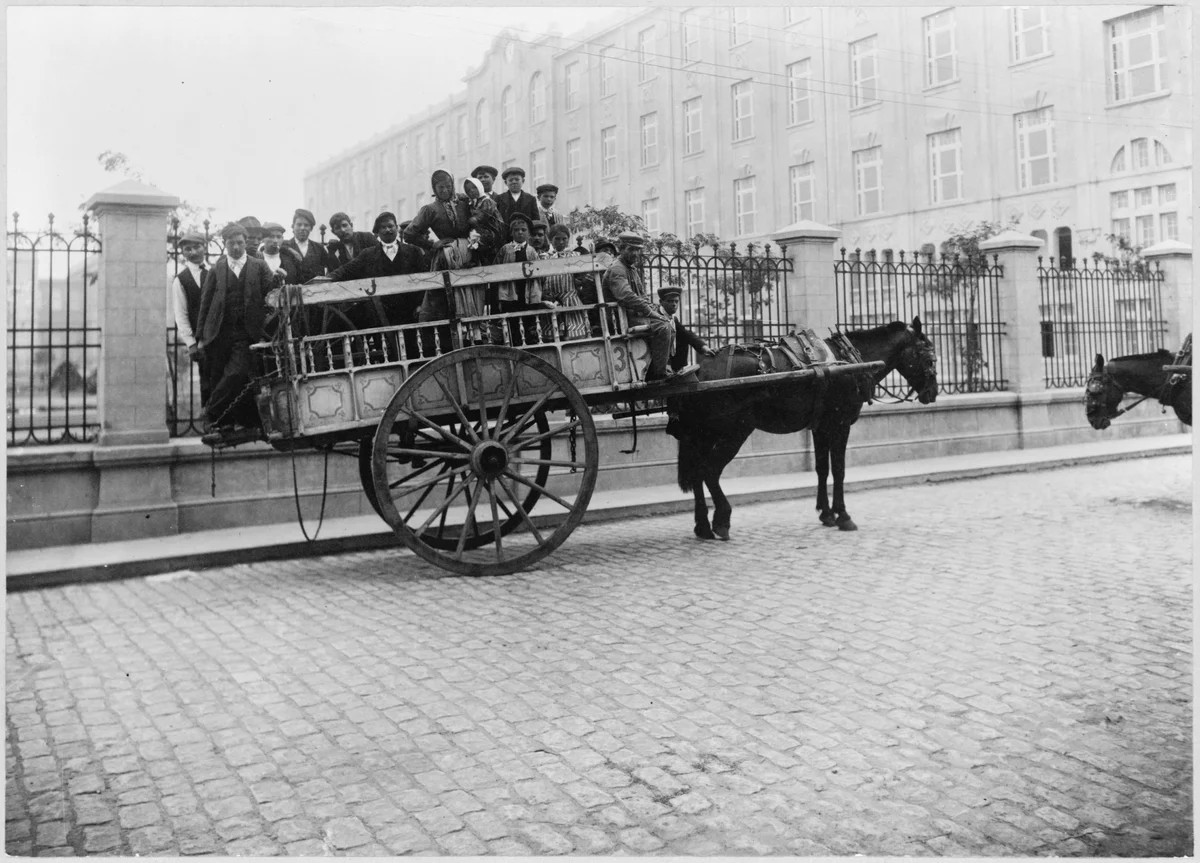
623, 285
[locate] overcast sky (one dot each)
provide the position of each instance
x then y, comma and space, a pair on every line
227, 107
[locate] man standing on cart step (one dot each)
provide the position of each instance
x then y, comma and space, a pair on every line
623, 285
232, 314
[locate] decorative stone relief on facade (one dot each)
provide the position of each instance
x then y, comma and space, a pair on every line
860, 15
647, 93
747, 170
942, 122
1037, 100
1059, 208
802, 155
652, 192
695, 181
795, 40
1088, 236
689, 78
1037, 211
1015, 213
738, 59
606, 109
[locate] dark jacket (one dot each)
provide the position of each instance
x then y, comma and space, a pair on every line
374, 263
623, 285
289, 260
338, 254
258, 281
526, 204
684, 339
433, 216
315, 263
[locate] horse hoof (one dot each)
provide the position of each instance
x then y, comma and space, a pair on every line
722, 533
847, 524
828, 519
703, 533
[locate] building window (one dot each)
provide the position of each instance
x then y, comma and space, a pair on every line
800, 179
739, 25
1143, 197
945, 166
1030, 32
645, 54
1139, 149
940, 64
461, 133
1035, 148
1144, 225
537, 99
608, 72
1137, 61
402, 159
439, 143
692, 139
1161, 156
573, 161
1118, 201
1168, 224
864, 73
743, 204
693, 206
868, 181
537, 168
1166, 194
572, 84
608, 152
650, 214
690, 34
419, 149
649, 138
743, 110
1118, 162
799, 104
1120, 227
507, 111
481, 122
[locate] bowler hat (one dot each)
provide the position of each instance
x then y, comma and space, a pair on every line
547, 187
304, 214
484, 169
508, 171
191, 237
380, 219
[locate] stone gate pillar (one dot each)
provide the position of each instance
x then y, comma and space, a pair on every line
811, 288
1020, 296
1175, 259
135, 498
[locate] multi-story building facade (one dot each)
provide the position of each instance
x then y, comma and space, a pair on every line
894, 124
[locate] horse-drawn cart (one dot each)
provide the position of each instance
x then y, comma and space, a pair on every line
461, 427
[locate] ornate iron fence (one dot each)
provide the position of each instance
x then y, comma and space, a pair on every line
1105, 308
727, 296
957, 299
53, 335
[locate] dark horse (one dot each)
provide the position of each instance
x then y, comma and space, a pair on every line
715, 425
1138, 373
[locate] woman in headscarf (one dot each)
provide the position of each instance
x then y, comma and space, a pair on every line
448, 216
487, 228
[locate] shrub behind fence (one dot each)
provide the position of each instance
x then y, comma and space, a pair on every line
1104, 308
958, 300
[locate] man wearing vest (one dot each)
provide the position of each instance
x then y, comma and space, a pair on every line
516, 200
232, 314
185, 300
313, 260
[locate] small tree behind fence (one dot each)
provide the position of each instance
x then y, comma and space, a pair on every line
727, 296
53, 335
957, 299
1107, 307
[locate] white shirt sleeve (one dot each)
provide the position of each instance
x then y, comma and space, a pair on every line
179, 301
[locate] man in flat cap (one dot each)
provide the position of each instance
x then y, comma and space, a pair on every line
313, 260
684, 339
547, 194
254, 234
348, 243
486, 175
623, 285
515, 200
231, 318
284, 262
185, 299
539, 236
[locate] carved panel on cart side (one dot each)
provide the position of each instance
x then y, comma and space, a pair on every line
326, 402
375, 389
584, 365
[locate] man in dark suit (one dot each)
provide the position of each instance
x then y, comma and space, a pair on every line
668, 301
254, 234
349, 243
388, 257
231, 318
515, 200
284, 262
313, 257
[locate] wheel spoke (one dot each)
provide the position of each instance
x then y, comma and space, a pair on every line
443, 507
441, 530
520, 509
512, 388
470, 519
528, 417
416, 473
483, 405
466, 423
434, 481
425, 453
424, 494
445, 435
527, 443
495, 523
539, 489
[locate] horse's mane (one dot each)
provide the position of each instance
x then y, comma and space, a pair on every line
886, 329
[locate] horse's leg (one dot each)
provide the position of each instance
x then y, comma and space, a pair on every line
840, 436
703, 529
723, 453
820, 436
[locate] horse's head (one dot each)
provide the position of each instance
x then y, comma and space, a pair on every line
1103, 396
917, 362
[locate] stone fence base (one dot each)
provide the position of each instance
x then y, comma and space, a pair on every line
70, 495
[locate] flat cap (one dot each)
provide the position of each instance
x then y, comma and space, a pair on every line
547, 187
233, 229
514, 170
485, 169
307, 215
631, 238
663, 293
249, 222
268, 227
538, 223
520, 217
192, 237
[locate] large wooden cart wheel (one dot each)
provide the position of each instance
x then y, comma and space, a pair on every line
466, 448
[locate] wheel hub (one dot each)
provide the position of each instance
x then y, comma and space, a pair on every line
489, 459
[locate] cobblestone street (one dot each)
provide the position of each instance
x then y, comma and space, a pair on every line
999, 667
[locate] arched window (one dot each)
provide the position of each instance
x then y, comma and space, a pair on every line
481, 122
1118, 162
1062, 239
1138, 155
506, 111
537, 98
